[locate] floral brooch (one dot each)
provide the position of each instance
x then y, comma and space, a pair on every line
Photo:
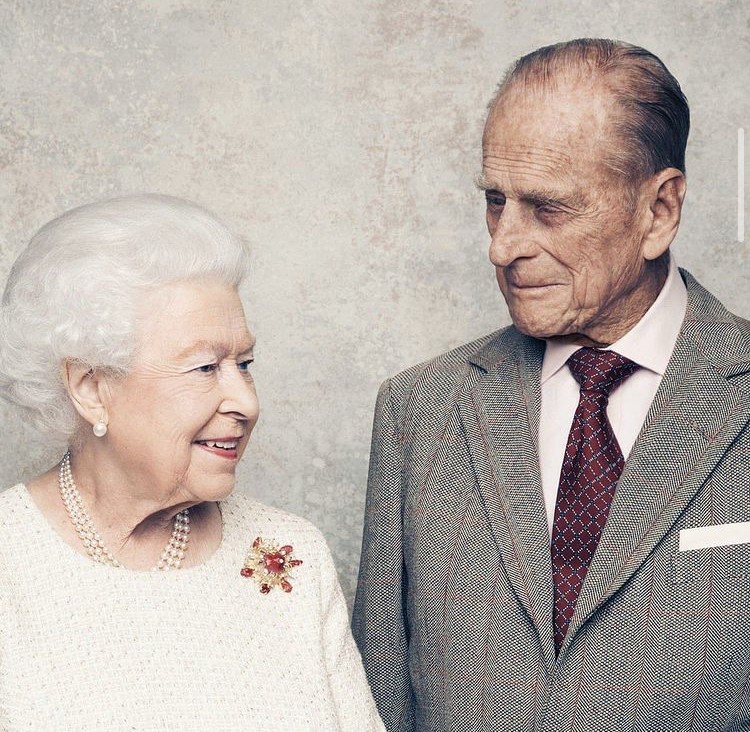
270, 566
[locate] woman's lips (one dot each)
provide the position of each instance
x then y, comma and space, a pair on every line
225, 448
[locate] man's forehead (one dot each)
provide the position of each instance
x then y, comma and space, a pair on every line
504, 158
551, 116
537, 141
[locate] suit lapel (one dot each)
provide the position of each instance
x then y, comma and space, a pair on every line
501, 422
696, 416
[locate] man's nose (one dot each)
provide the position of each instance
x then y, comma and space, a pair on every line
511, 237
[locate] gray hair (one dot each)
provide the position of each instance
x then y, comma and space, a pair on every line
654, 119
73, 293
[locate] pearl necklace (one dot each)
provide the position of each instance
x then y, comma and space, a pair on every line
170, 558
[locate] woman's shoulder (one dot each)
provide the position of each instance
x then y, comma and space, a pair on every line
14, 506
20, 527
273, 525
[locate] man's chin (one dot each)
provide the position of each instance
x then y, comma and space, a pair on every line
536, 328
540, 318
546, 333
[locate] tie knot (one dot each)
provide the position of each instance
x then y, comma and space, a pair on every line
599, 371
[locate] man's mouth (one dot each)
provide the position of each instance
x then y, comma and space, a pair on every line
520, 283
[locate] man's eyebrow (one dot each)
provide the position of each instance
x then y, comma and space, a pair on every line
209, 346
537, 196
482, 182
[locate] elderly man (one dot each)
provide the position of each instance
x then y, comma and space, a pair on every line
557, 531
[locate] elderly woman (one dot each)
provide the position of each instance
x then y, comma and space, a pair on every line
137, 591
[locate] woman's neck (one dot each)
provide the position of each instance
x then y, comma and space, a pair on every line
134, 527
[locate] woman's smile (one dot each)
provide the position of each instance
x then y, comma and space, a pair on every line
226, 447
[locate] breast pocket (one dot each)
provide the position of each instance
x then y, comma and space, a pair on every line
730, 561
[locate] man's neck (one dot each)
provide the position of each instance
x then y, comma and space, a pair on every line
624, 313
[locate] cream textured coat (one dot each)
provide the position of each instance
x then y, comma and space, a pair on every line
95, 648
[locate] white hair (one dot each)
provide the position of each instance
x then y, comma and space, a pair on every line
73, 293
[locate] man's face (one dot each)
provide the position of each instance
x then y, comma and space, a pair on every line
565, 245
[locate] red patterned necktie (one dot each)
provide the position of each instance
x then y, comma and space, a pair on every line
591, 467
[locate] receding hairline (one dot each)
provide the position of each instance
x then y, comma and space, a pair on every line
566, 60
573, 120
573, 74
650, 116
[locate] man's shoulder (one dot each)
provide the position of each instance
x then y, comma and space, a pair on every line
706, 306
721, 336
449, 364
437, 378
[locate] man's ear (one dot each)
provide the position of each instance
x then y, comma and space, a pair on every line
665, 193
88, 390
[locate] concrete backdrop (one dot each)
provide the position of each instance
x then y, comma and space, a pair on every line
342, 139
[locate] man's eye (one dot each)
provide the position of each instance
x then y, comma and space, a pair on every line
495, 199
551, 215
207, 368
547, 210
245, 365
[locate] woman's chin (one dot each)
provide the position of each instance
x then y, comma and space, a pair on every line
211, 477
213, 491
209, 486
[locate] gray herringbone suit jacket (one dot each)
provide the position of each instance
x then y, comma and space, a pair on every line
454, 607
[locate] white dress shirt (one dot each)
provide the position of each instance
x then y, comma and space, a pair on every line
649, 343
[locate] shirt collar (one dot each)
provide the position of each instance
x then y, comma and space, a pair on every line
649, 343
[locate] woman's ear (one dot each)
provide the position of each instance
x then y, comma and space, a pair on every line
666, 192
88, 390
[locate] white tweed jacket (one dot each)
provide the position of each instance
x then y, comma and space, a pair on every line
453, 613
91, 648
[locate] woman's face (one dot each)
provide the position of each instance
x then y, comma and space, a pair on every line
181, 419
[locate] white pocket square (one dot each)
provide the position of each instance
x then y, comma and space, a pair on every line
702, 537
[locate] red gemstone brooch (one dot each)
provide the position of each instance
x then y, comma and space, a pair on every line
270, 566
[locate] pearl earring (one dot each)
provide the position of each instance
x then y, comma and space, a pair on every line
100, 428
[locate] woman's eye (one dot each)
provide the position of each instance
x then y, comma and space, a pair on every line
207, 368
244, 365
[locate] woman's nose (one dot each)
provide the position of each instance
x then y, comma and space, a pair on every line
239, 395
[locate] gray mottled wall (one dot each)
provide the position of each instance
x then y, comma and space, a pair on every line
342, 139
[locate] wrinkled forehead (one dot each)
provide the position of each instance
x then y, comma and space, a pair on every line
565, 132
176, 317
503, 161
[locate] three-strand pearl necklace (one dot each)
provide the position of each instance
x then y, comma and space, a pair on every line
171, 557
